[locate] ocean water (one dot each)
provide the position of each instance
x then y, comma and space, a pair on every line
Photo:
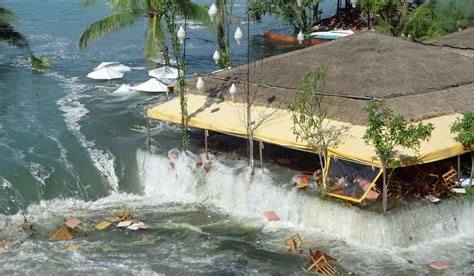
70, 147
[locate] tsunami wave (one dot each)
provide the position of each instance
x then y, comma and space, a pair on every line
231, 190
361, 239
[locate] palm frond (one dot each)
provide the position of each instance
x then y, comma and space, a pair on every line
90, 3
7, 16
199, 13
105, 25
154, 39
9, 35
136, 6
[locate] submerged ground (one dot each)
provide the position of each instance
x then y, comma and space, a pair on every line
71, 147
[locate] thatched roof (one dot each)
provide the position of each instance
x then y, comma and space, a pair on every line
462, 40
414, 80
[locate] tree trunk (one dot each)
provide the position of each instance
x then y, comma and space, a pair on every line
316, 13
164, 50
337, 8
368, 18
385, 185
304, 18
250, 136
472, 169
221, 35
323, 169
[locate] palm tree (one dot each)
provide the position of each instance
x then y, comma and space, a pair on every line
126, 12
8, 34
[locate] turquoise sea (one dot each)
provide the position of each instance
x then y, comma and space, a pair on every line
70, 147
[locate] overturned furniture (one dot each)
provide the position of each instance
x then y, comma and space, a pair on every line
66, 233
321, 263
295, 244
125, 216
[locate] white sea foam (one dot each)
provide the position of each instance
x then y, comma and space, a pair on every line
231, 190
40, 173
74, 112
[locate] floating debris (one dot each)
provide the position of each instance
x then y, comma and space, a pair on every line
271, 216
295, 244
199, 161
126, 215
25, 225
66, 233
103, 224
439, 265
72, 222
126, 223
208, 167
139, 225
320, 262
432, 198
3, 244
74, 246
146, 239
459, 190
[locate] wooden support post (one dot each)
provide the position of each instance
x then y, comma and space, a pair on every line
260, 144
385, 187
149, 132
206, 134
459, 166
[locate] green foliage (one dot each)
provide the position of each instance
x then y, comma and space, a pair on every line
300, 18
126, 12
170, 19
223, 22
309, 114
373, 6
387, 131
437, 18
8, 34
392, 17
12, 37
39, 63
464, 130
307, 111
225, 60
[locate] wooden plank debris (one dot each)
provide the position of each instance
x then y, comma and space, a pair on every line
103, 224
439, 265
73, 222
65, 233
271, 216
74, 246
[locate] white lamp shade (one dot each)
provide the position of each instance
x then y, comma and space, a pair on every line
353, 3
300, 37
232, 90
216, 56
238, 35
212, 12
181, 34
200, 84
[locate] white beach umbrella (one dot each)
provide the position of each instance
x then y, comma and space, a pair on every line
152, 85
164, 72
123, 88
120, 68
105, 64
115, 66
105, 73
